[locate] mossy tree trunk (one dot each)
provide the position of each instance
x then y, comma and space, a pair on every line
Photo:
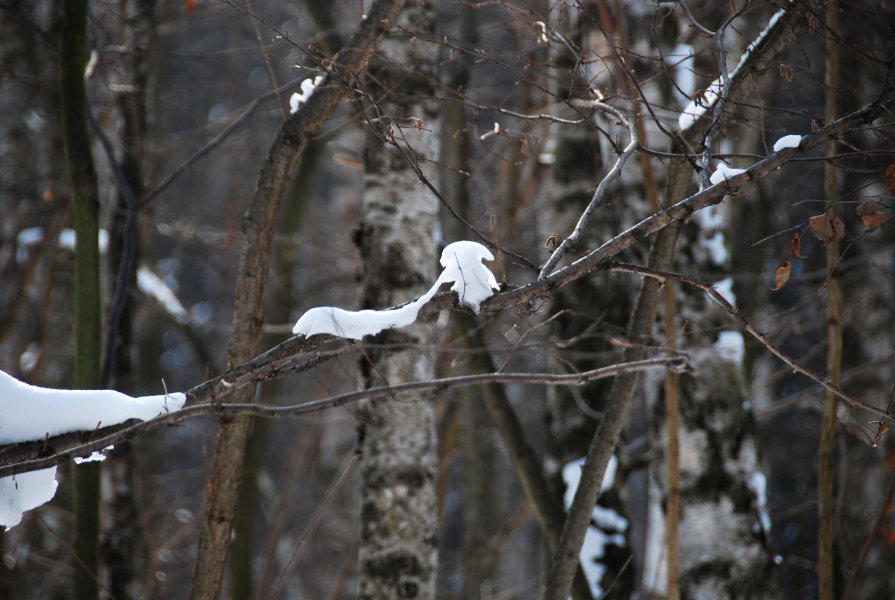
82, 175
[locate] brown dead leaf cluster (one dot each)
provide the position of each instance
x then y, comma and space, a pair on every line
825, 229
869, 213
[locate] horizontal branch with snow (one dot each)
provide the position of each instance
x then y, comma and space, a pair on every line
299, 352
20, 457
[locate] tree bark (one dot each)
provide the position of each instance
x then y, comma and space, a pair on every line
399, 520
88, 326
826, 459
258, 227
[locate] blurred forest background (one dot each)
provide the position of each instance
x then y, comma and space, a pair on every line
186, 100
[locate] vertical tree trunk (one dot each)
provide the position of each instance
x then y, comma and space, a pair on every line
581, 157
87, 304
723, 551
124, 548
258, 224
826, 460
398, 550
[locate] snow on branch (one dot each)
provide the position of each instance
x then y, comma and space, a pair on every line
307, 88
34, 413
462, 262
472, 281
707, 99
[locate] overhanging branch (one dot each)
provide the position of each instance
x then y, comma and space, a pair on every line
30, 456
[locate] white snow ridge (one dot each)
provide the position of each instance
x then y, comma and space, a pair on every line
462, 262
31, 413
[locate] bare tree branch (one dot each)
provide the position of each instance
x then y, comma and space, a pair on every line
727, 307
20, 458
613, 174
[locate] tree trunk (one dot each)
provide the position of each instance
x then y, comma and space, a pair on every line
398, 549
826, 459
258, 223
87, 303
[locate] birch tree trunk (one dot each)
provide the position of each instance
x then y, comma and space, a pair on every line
398, 548
722, 523
283, 158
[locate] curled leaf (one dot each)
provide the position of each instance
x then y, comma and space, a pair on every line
781, 275
825, 229
786, 71
890, 178
869, 213
795, 246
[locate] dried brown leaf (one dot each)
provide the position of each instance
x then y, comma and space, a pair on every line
890, 178
781, 275
869, 213
838, 229
825, 229
795, 246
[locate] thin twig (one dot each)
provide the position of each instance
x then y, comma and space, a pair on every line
727, 307
211, 405
600, 192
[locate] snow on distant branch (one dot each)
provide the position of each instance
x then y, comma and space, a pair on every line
462, 262
307, 88
698, 107
787, 141
147, 281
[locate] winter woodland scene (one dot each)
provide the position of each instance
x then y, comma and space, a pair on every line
497, 299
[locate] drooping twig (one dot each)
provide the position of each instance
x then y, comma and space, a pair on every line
727, 307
